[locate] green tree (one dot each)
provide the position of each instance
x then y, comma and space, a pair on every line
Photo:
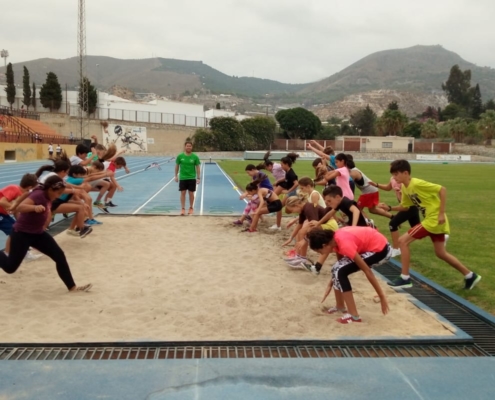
51, 92
453, 111
26, 88
298, 123
364, 121
473, 135
347, 129
261, 129
456, 129
393, 105
412, 129
205, 140
10, 88
457, 86
392, 122
92, 96
328, 132
230, 135
486, 125
33, 97
334, 121
429, 129
430, 113
476, 103
490, 105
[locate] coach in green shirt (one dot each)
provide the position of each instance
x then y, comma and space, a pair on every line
189, 175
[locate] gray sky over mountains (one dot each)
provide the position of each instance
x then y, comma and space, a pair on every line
294, 41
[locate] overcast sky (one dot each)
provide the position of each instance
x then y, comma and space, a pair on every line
294, 41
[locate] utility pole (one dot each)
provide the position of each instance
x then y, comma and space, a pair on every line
4, 54
83, 82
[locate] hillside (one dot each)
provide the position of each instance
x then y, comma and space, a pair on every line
418, 69
414, 69
412, 104
165, 77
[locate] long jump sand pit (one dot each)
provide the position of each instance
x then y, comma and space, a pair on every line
188, 279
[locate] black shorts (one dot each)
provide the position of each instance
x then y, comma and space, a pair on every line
50, 153
187, 184
58, 202
274, 206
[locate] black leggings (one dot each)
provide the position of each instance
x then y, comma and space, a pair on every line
411, 215
345, 267
19, 246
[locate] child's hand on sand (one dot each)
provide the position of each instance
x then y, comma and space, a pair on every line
329, 289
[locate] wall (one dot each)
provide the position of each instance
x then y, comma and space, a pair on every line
376, 143
30, 151
166, 138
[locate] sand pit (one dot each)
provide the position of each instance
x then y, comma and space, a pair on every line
188, 279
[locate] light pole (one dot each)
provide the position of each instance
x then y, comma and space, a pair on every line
4, 54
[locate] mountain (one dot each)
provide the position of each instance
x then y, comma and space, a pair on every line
162, 76
418, 69
414, 69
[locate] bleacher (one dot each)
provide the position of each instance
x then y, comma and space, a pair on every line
15, 129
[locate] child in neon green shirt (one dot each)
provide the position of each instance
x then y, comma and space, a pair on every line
430, 199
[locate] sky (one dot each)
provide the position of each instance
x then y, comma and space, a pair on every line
292, 41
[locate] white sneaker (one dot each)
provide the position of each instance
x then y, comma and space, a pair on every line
30, 256
275, 228
395, 252
446, 240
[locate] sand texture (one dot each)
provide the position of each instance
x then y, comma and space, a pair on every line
188, 278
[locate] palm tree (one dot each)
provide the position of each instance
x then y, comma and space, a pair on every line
429, 129
486, 125
392, 122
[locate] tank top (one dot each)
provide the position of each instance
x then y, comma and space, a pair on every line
364, 183
321, 202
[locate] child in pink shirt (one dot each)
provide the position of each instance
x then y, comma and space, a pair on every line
361, 248
341, 175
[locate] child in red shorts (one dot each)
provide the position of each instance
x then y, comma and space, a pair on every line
430, 198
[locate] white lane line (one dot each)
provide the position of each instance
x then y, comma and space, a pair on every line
152, 197
230, 181
203, 170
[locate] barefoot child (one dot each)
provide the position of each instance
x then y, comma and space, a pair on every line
430, 198
361, 248
29, 231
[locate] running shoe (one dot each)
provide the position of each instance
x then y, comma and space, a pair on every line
347, 319
72, 232
311, 268
92, 222
472, 282
30, 256
110, 204
401, 283
65, 215
275, 228
85, 231
297, 261
333, 310
101, 206
238, 222
395, 252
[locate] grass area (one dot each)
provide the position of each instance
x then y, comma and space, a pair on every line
470, 200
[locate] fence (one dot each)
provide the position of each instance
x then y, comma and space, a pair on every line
144, 116
4, 110
114, 114
355, 145
9, 137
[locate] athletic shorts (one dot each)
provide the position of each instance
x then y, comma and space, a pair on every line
6, 223
187, 184
97, 184
419, 232
58, 202
274, 206
369, 200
